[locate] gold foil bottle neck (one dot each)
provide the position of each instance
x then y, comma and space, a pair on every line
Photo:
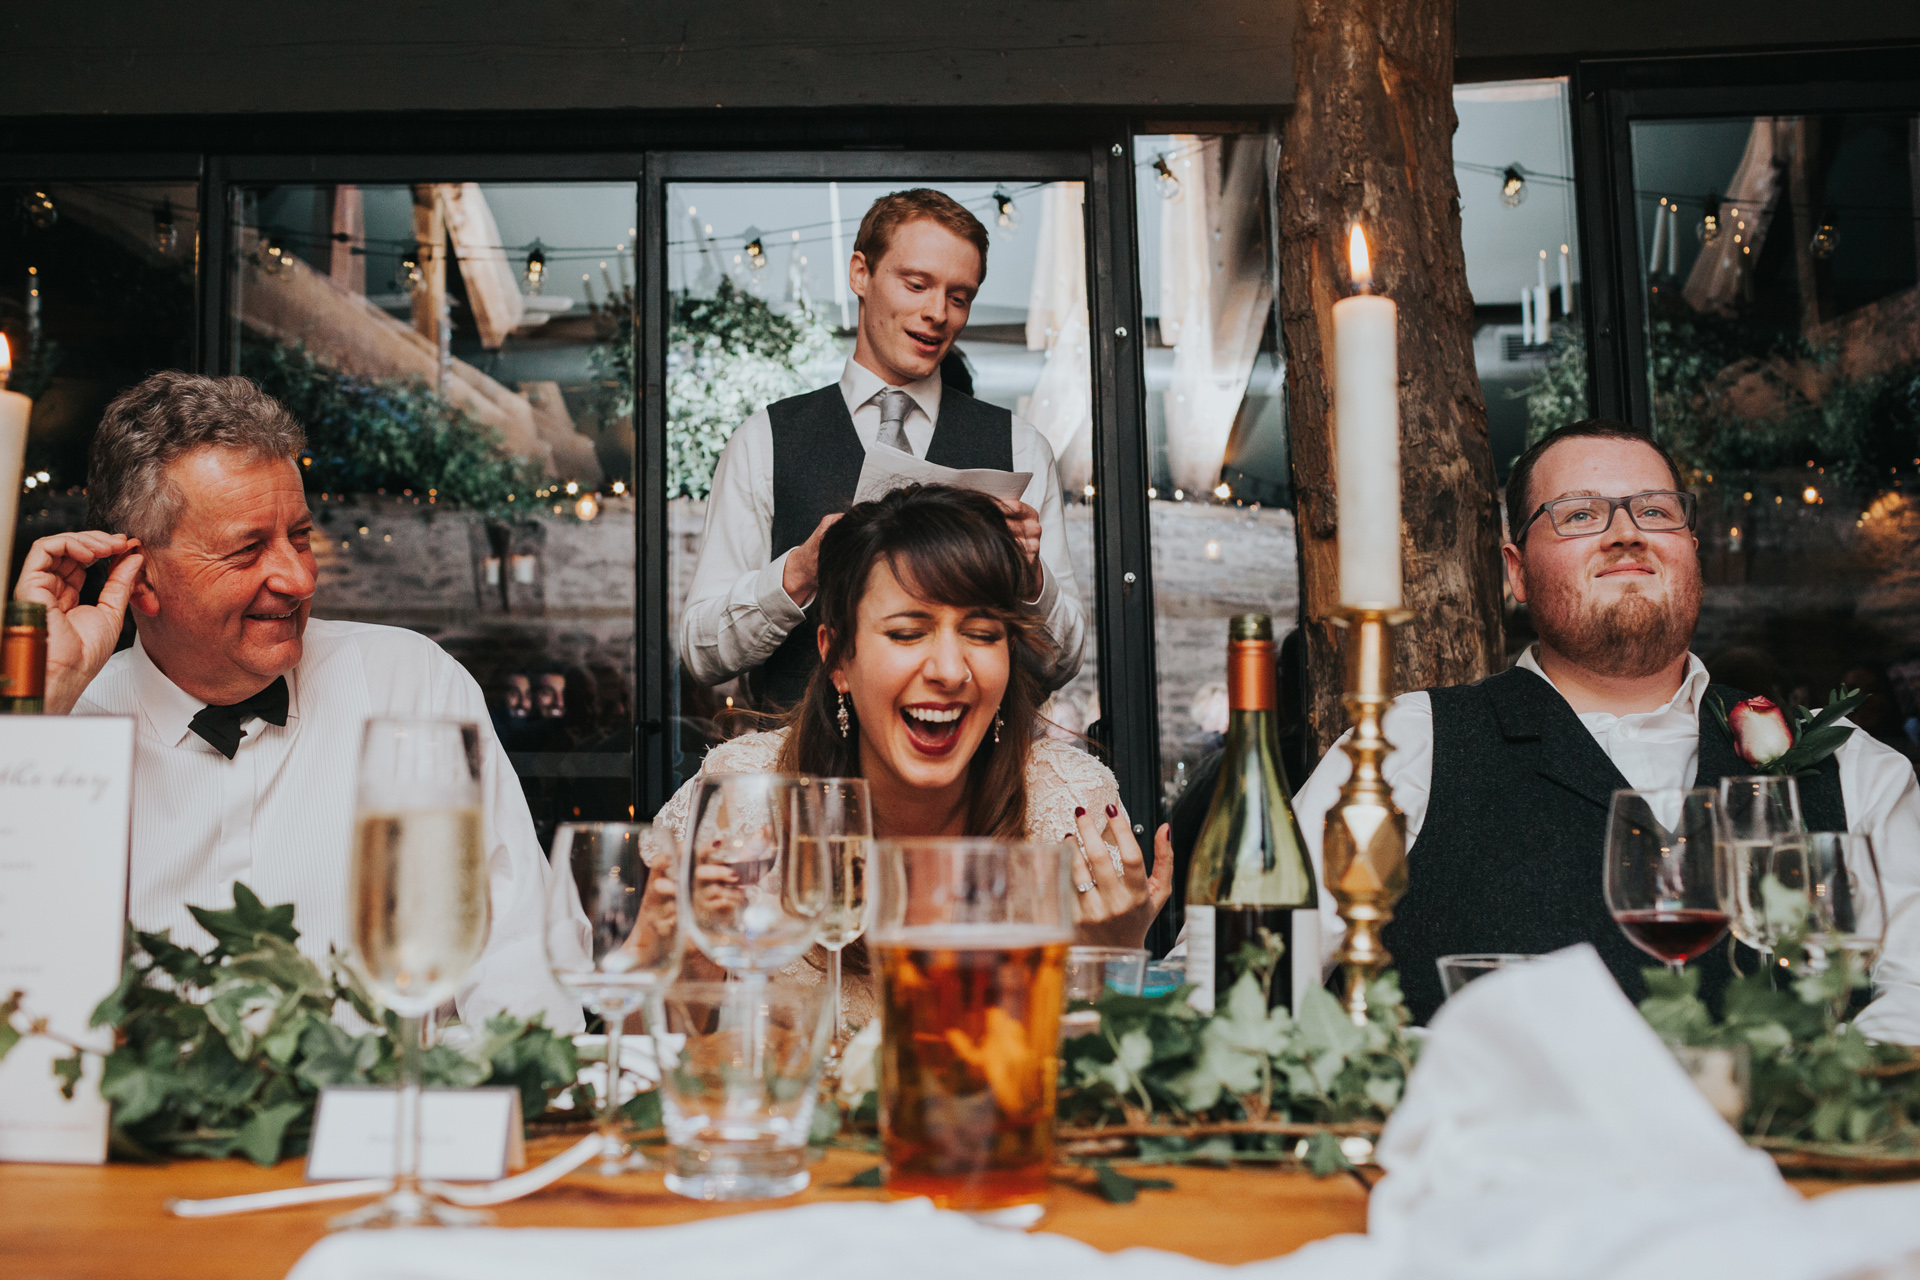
1251, 626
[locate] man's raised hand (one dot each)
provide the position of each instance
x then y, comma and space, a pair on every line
80, 638
1023, 522
801, 574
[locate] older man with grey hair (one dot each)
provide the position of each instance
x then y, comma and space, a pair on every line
249, 715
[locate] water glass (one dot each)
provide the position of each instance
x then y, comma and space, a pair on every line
1751, 816
970, 943
621, 878
1458, 970
1847, 912
754, 879
740, 1065
1093, 972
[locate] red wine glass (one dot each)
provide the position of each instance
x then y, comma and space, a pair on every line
1667, 890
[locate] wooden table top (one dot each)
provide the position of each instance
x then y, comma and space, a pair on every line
76, 1222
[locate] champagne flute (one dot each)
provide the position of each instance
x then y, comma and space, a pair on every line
1754, 815
421, 907
754, 880
621, 877
846, 834
1665, 883
1847, 903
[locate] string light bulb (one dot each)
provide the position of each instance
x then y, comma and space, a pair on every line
1007, 215
1513, 186
39, 210
1164, 180
410, 274
271, 256
166, 235
1709, 228
1825, 240
536, 266
756, 249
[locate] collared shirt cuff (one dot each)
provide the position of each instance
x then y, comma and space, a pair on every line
771, 593
1049, 593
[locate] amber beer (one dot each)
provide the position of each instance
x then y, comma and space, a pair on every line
968, 1067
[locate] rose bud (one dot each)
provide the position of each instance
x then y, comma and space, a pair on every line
1761, 734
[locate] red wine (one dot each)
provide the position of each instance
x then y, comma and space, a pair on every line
1673, 936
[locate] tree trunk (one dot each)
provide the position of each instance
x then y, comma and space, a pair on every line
1370, 139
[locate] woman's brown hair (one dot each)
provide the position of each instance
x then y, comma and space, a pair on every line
948, 546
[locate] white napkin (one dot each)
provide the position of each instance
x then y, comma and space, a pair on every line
1546, 1135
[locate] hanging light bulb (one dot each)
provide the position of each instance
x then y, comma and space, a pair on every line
412, 278
536, 266
756, 251
39, 210
1008, 217
1709, 228
165, 234
1164, 180
1513, 186
271, 257
1825, 240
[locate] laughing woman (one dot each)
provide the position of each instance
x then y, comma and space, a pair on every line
925, 689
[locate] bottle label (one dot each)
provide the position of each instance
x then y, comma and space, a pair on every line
1200, 957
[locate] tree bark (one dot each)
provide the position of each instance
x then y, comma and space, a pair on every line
1370, 140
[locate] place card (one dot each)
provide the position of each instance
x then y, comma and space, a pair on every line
466, 1135
66, 807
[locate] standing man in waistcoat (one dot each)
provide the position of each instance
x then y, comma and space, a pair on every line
1506, 783
788, 473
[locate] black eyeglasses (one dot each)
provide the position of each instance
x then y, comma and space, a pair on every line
1661, 511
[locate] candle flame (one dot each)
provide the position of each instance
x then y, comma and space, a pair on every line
6, 357
1358, 261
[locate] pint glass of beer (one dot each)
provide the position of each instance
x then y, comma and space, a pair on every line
971, 943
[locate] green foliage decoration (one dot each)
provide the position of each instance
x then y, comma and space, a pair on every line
728, 357
1558, 396
224, 1052
1818, 1084
370, 434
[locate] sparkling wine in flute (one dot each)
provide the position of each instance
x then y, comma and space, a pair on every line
845, 917
968, 1065
1250, 873
421, 905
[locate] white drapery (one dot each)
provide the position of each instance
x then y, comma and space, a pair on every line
1061, 406
1215, 291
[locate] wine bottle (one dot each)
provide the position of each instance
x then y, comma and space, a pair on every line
1250, 870
23, 660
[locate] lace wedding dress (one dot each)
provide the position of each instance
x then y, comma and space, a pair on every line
1060, 778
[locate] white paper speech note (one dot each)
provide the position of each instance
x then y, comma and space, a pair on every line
66, 800
466, 1135
887, 469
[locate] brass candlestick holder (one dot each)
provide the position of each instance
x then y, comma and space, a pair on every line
1364, 851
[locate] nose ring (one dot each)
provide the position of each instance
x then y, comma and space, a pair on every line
969, 679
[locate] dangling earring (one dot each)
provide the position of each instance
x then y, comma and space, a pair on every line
996, 728
843, 718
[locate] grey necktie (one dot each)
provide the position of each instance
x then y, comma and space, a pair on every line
894, 404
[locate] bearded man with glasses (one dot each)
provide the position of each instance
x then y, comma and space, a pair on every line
1506, 783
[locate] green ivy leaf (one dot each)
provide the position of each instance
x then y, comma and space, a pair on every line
867, 1178
8, 1036
260, 1138
236, 928
1117, 1188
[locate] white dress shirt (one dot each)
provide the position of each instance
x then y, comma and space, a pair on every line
738, 611
279, 815
1661, 748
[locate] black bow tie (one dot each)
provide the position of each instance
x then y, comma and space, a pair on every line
221, 725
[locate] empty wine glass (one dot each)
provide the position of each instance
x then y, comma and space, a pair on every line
754, 880
846, 837
420, 906
1751, 817
621, 877
1665, 885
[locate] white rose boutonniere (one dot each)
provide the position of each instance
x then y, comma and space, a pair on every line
1781, 742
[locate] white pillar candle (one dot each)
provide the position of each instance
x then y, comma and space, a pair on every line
1673, 239
1366, 410
1566, 282
1542, 313
1659, 237
15, 409
1526, 317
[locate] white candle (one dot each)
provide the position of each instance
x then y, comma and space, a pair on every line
1673, 239
1366, 410
1542, 313
1526, 317
15, 409
1566, 282
1659, 237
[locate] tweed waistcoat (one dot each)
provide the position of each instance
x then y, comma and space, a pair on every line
1511, 855
816, 468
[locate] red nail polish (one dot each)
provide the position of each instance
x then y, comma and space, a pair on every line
1079, 811
1113, 811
